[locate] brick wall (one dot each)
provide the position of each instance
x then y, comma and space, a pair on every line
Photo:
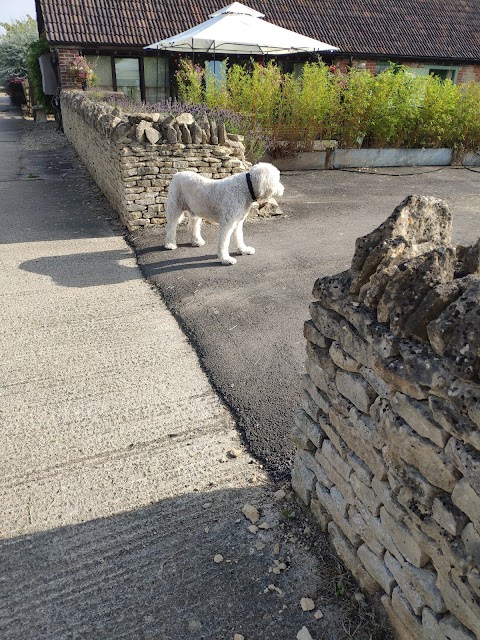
65, 57
388, 436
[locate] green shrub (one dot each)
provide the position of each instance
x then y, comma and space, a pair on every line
36, 49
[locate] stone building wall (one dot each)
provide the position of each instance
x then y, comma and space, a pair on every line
388, 436
132, 157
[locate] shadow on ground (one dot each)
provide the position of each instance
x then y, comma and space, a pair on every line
82, 270
150, 574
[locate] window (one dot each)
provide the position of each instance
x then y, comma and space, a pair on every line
156, 78
102, 68
445, 73
127, 73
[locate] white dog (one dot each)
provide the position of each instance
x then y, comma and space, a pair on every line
226, 201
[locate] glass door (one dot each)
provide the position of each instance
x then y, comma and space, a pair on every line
127, 73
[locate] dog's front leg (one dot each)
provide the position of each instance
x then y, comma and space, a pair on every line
224, 234
195, 227
242, 247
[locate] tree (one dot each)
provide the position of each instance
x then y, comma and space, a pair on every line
14, 45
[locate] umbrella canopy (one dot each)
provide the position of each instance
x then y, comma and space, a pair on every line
238, 29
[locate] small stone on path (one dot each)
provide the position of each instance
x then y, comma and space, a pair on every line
304, 634
238, 636
259, 546
307, 604
279, 495
252, 528
218, 558
251, 513
318, 615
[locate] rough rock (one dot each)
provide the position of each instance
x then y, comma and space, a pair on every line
417, 219
185, 119
411, 282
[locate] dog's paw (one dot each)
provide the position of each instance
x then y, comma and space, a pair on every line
229, 260
198, 243
170, 245
247, 251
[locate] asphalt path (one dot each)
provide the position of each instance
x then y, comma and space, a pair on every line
246, 320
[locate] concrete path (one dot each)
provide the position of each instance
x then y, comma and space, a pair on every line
122, 475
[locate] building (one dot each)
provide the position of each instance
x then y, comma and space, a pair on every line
430, 36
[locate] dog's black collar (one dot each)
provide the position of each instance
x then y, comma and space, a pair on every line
250, 186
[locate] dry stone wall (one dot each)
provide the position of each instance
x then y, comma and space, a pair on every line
388, 436
132, 157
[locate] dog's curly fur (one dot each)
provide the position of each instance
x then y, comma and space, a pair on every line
226, 201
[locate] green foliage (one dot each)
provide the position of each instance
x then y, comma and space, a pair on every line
36, 49
14, 44
189, 78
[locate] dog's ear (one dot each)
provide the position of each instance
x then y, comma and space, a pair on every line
265, 180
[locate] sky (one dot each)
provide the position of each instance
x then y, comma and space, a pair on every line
16, 10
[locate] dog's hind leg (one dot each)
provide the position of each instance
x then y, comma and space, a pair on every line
224, 234
195, 224
242, 247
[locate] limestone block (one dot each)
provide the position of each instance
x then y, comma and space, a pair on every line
376, 568
412, 281
454, 422
213, 131
335, 477
455, 334
395, 374
378, 530
221, 133
356, 389
185, 133
415, 450
403, 540
311, 429
312, 463
402, 632
335, 504
185, 119
336, 459
321, 358
418, 416
466, 611
152, 135
452, 629
360, 468
319, 400
367, 429
404, 611
366, 495
431, 627
342, 359
348, 556
468, 259
308, 405
418, 219
303, 480
312, 334
320, 514
334, 438
326, 321
471, 540
364, 531
432, 305
171, 134
383, 490
414, 599
467, 500
444, 552
467, 459
300, 440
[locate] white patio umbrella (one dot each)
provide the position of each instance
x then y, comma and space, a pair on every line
238, 29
